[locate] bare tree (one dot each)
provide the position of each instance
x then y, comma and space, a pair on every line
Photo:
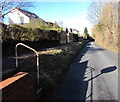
104, 16
7, 5
94, 12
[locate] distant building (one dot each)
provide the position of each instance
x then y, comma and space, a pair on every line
71, 30
19, 16
51, 24
75, 31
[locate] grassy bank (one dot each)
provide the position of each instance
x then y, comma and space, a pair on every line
54, 63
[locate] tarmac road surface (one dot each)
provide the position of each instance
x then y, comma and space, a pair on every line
93, 76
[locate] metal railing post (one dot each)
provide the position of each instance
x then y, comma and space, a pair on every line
16, 57
38, 73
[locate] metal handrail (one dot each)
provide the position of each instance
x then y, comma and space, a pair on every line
32, 50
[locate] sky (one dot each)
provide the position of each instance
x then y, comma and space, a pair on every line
72, 14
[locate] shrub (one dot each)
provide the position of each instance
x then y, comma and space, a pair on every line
75, 37
53, 35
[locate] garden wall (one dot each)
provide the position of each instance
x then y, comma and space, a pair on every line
19, 87
63, 37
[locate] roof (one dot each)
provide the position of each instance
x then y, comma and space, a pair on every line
50, 23
27, 13
75, 30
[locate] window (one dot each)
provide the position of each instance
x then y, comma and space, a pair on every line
22, 20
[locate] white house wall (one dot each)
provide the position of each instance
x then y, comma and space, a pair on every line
15, 17
76, 32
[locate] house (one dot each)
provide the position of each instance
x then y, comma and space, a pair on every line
50, 23
75, 31
19, 16
70, 30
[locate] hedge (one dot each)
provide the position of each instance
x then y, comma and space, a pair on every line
19, 33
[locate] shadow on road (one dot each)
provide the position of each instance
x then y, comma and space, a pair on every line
74, 88
92, 49
103, 71
75, 85
89, 49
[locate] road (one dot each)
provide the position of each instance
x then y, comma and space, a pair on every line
93, 76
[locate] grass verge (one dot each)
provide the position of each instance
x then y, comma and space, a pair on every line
54, 63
